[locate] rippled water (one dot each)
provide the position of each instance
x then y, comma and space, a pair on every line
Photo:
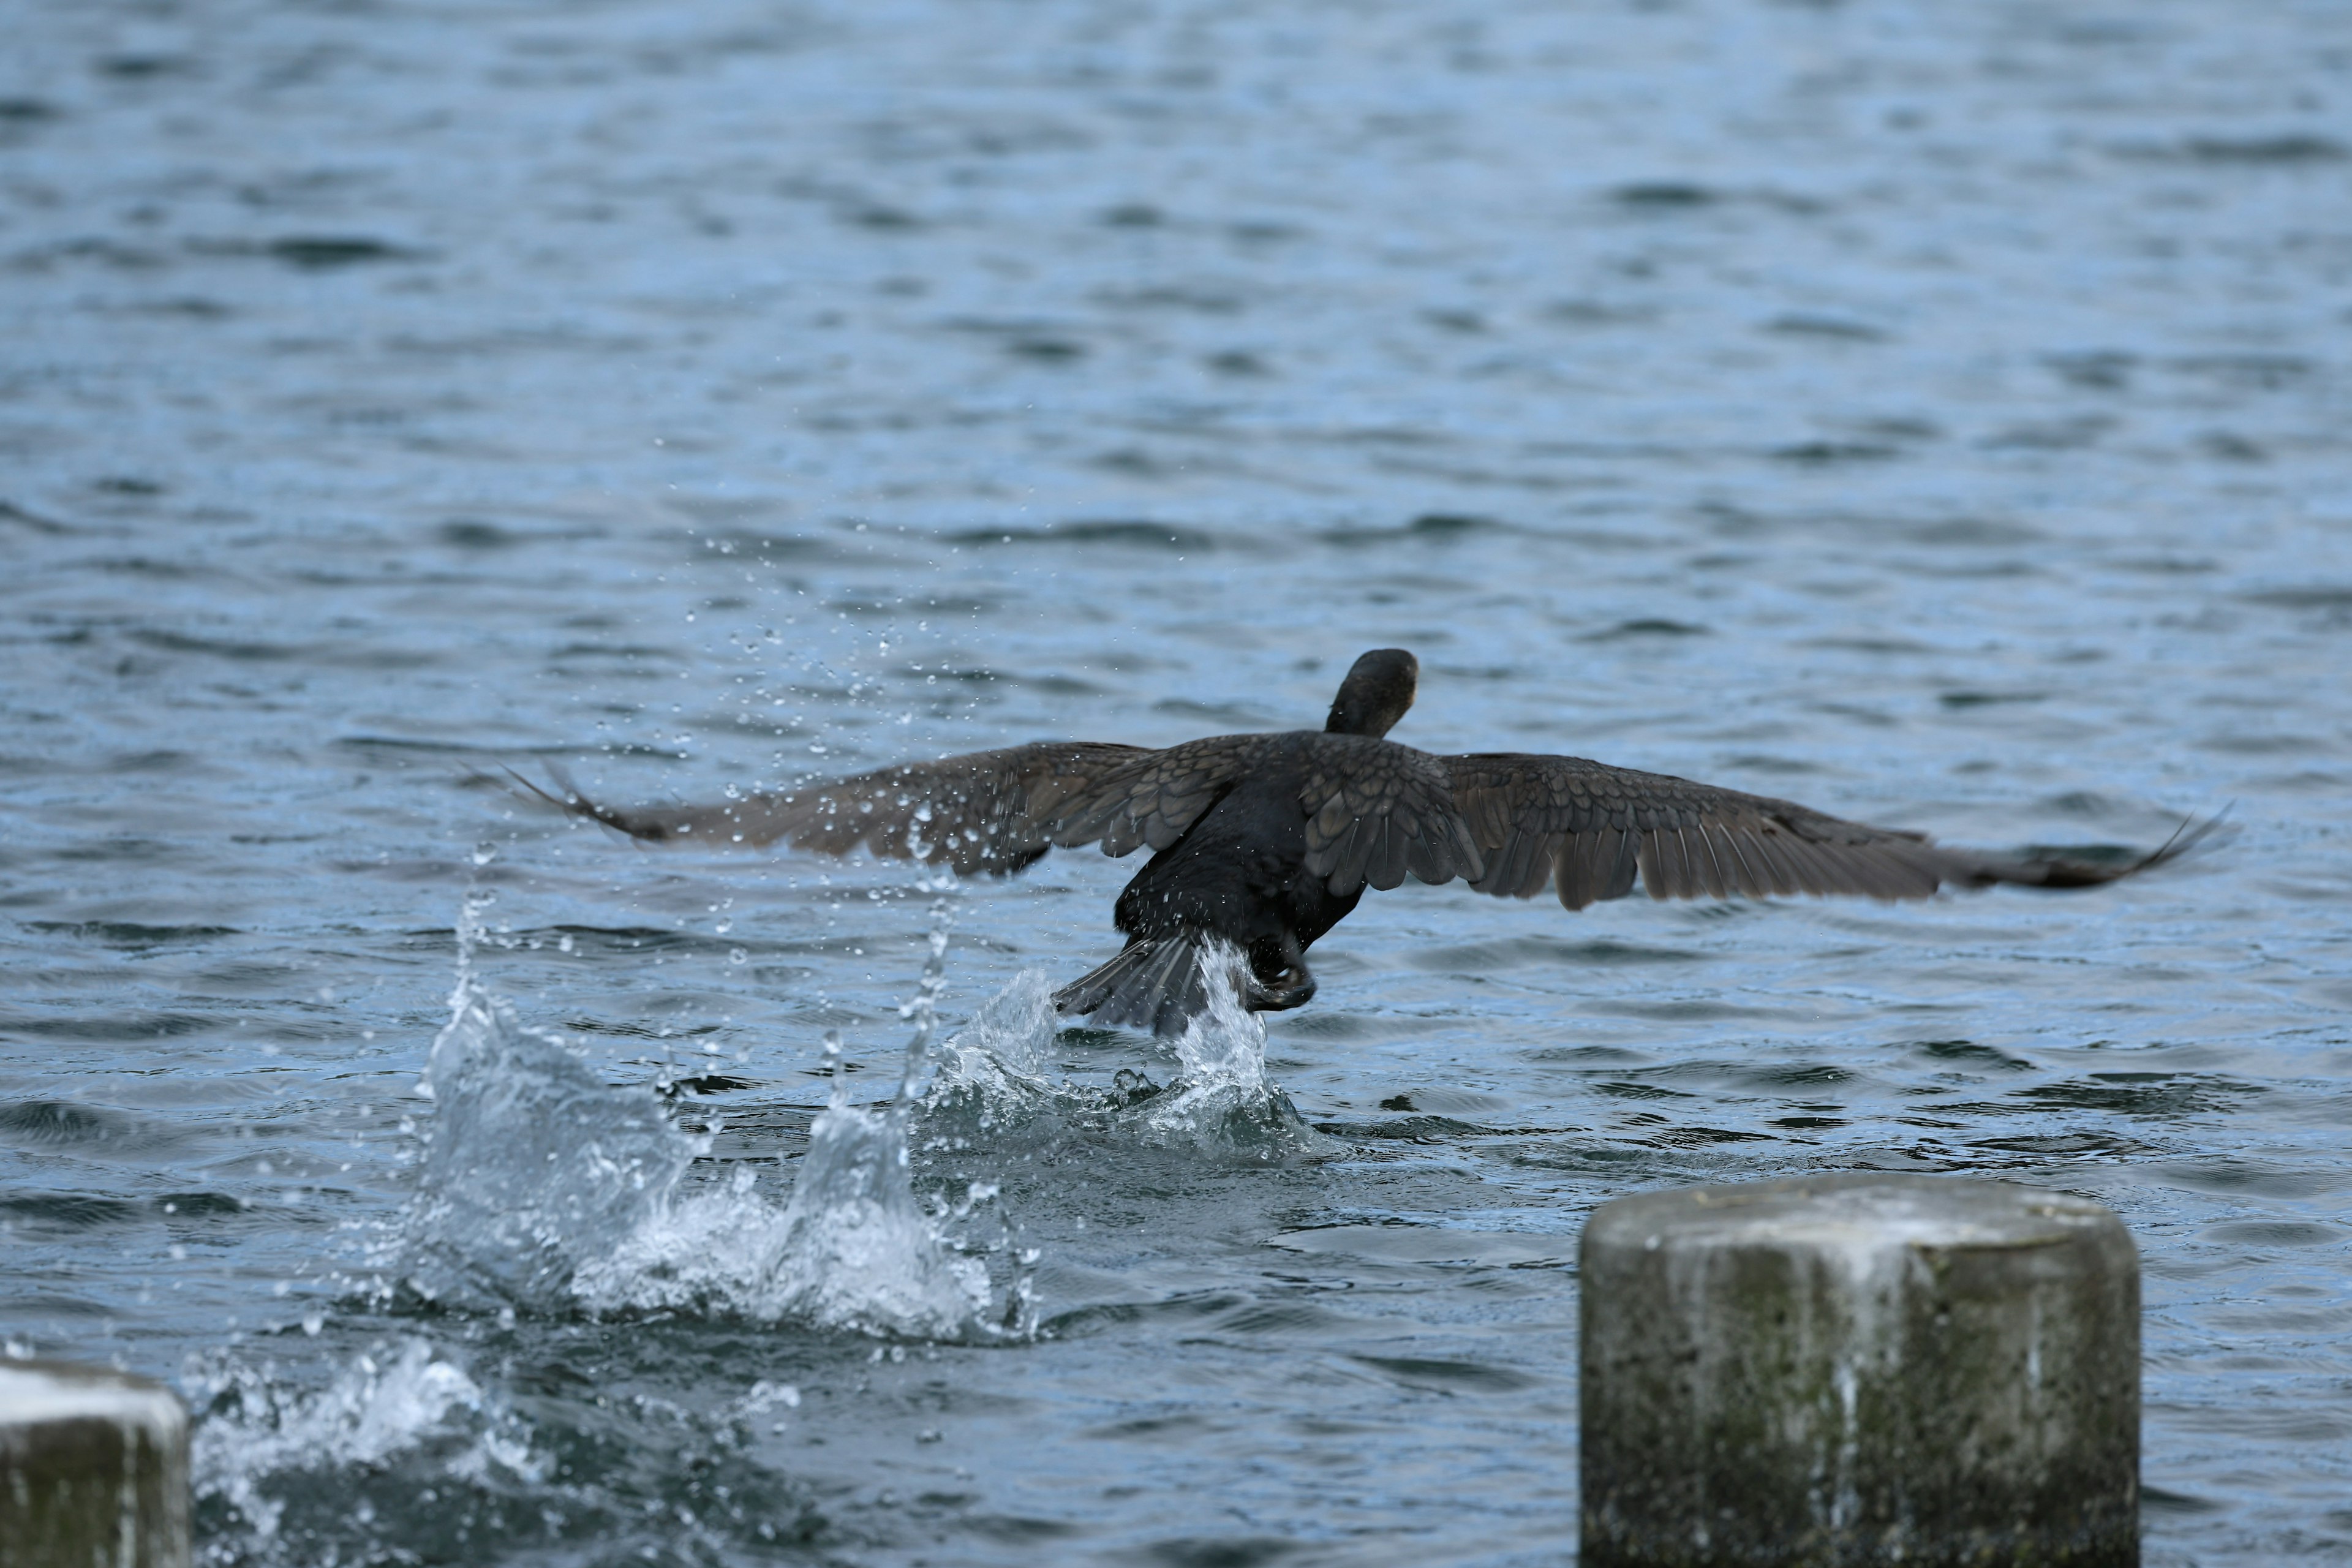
1934, 413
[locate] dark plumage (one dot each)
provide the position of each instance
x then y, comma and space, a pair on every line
1265, 842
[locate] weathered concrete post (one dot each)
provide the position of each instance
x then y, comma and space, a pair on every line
93, 1469
1860, 1369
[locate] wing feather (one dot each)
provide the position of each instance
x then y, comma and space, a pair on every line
1771, 847
1818, 872
1651, 859
1735, 863
1682, 876
1575, 867
1701, 855
1387, 869
1528, 859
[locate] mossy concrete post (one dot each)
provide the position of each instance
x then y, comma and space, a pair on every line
93, 1469
1859, 1369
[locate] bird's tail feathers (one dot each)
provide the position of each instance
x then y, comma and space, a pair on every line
1159, 983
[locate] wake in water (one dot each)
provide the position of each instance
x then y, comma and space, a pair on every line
543, 1186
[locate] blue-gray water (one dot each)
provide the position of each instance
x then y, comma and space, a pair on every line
1936, 413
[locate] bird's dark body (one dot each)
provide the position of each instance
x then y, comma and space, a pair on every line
1263, 842
1240, 873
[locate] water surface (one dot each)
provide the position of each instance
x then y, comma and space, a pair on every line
1935, 413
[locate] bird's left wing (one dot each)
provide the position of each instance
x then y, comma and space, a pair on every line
980, 811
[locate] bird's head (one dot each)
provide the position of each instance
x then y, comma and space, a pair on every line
1378, 690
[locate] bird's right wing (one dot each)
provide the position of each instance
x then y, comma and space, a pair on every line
1592, 829
982, 811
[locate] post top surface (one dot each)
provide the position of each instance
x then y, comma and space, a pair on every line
1856, 1211
36, 1392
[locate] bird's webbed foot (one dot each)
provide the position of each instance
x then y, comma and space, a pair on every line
1294, 988
1280, 979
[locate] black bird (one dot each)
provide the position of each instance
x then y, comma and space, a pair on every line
1263, 842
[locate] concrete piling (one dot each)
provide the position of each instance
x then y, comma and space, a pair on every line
1860, 1369
93, 1469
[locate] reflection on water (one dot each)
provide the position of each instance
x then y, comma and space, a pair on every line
1933, 414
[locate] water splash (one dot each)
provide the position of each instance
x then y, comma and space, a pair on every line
923, 1008
994, 1081
392, 1401
994, 1072
533, 1163
543, 1186
1222, 1098
853, 1249
533, 1160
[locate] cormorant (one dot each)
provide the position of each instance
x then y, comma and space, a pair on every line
1265, 842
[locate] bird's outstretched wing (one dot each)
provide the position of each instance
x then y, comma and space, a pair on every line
982, 811
1591, 828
